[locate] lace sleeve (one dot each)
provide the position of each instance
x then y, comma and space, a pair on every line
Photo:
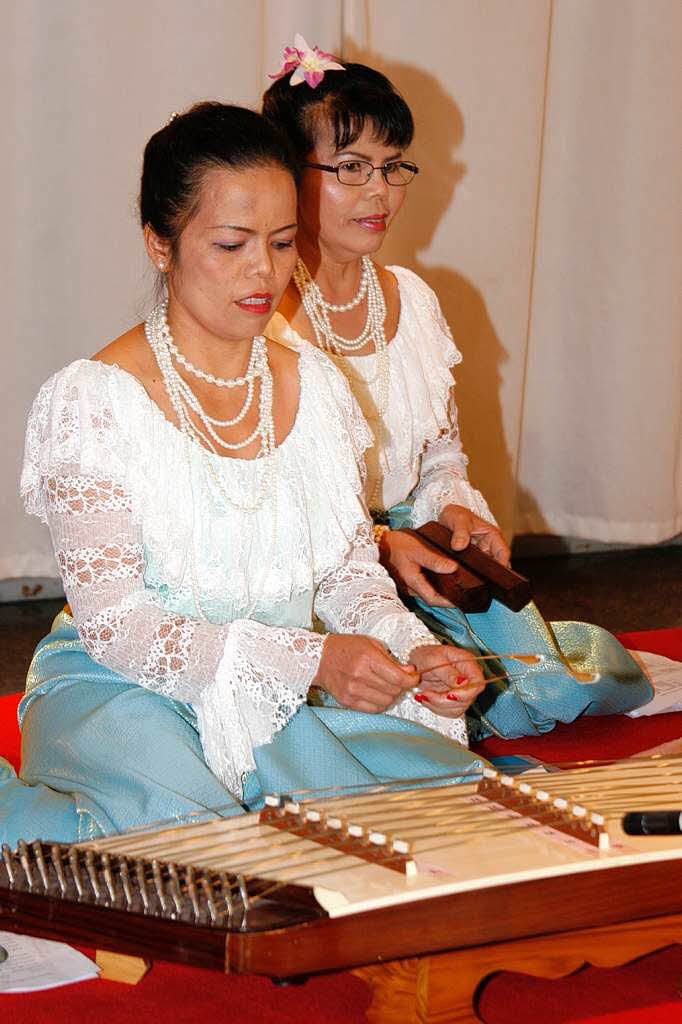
245, 679
360, 597
443, 478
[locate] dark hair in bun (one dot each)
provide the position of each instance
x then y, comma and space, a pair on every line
177, 157
349, 100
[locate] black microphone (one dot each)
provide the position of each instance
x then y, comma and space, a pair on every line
652, 823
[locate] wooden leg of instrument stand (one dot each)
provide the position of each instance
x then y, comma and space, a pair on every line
425, 990
120, 967
440, 989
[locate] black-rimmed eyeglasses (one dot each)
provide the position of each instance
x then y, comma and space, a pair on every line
358, 172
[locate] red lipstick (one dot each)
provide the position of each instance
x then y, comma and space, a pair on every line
259, 303
373, 222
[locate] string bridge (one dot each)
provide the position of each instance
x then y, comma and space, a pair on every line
343, 834
557, 812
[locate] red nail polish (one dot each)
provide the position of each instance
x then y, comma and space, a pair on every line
461, 679
421, 698
453, 696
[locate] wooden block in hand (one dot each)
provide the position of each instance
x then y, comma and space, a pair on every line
466, 591
507, 586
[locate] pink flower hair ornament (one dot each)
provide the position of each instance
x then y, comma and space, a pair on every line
310, 63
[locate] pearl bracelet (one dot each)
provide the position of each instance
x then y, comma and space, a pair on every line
378, 530
404, 655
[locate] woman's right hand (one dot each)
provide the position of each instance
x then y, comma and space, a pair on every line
404, 557
361, 674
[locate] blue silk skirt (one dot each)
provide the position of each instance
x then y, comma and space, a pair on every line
101, 754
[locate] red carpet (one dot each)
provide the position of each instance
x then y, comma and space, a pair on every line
185, 995
10, 737
644, 992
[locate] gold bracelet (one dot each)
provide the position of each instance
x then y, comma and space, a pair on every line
379, 530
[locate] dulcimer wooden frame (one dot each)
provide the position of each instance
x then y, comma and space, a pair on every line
423, 955
424, 962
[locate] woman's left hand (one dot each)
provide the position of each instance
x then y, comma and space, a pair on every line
468, 528
450, 678
405, 556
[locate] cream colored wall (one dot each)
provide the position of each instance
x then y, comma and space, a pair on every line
89, 83
602, 428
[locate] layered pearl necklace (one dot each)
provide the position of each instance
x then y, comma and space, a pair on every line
318, 310
184, 401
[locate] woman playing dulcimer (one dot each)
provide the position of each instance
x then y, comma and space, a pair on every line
204, 491
384, 329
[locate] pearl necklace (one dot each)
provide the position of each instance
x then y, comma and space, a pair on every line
182, 397
345, 306
221, 382
318, 309
184, 400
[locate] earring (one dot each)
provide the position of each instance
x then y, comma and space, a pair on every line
162, 266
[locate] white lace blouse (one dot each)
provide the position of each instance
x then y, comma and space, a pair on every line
420, 457
187, 594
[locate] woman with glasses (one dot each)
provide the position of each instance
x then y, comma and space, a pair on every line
384, 329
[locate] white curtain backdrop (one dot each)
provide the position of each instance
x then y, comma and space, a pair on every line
601, 451
547, 216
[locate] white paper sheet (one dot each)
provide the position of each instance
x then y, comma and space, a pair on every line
35, 964
666, 678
